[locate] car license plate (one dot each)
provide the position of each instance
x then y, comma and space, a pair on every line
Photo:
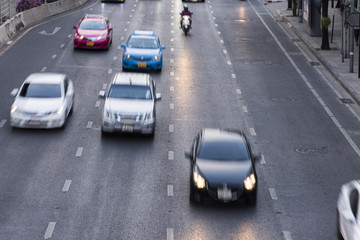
142, 65
224, 194
89, 44
127, 128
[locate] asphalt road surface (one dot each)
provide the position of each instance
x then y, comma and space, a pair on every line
237, 68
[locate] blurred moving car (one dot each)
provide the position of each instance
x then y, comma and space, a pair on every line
94, 31
222, 166
142, 51
348, 211
130, 104
43, 101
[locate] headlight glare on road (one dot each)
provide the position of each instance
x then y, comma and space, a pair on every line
198, 179
250, 182
13, 109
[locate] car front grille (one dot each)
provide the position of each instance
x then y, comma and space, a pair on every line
134, 117
142, 59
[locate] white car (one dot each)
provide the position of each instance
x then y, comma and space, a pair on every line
348, 211
130, 104
43, 101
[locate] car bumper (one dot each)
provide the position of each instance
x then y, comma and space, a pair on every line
236, 194
148, 65
145, 127
44, 122
99, 44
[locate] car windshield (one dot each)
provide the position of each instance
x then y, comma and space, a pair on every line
142, 43
224, 151
93, 25
41, 90
130, 92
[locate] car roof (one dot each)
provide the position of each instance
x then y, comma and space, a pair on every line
214, 134
94, 16
143, 33
132, 79
51, 78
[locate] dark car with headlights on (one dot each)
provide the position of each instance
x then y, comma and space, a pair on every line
222, 166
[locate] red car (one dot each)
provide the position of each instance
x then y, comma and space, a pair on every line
94, 31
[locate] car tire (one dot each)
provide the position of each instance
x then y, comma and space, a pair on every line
251, 199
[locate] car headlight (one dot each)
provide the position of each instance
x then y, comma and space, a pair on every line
127, 56
13, 109
102, 37
148, 116
60, 111
78, 36
198, 179
156, 58
250, 182
107, 114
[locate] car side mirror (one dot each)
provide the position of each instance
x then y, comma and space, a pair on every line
123, 45
188, 155
158, 96
162, 46
14, 92
102, 93
75, 27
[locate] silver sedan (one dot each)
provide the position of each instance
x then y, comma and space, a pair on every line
43, 101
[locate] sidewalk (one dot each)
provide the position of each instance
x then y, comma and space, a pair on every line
330, 59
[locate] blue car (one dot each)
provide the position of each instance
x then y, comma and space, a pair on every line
142, 51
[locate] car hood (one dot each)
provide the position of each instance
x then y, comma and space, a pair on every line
232, 173
38, 105
91, 33
142, 51
128, 106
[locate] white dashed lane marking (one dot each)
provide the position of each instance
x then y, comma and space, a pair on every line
272, 194
109, 71
252, 131
66, 186
171, 155
171, 106
2, 123
115, 58
228, 62
69, 36
245, 109
62, 45
287, 235
53, 56
238, 91
49, 230
171, 73
262, 159
170, 234
170, 190
104, 86
172, 49
89, 124
171, 128
224, 51
79, 152
233, 75
43, 69
97, 104
172, 88
222, 41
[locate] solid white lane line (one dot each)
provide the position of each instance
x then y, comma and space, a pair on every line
171, 128
238, 91
109, 71
2, 123
53, 56
171, 106
89, 124
62, 45
66, 186
245, 109
171, 155
252, 131
97, 104
169, 234
262, 159
287, 235
43, 69
49, 230
79, 151
170, 190
172, 88
272, 194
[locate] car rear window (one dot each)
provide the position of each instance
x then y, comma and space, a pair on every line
41, 90
224, 151
130, 92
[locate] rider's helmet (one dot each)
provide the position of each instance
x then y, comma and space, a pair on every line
186, 7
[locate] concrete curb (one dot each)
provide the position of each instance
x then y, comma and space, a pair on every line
16, 24
322, 60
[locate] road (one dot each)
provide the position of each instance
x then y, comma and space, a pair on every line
237, 68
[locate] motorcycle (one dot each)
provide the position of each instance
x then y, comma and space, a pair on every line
185, 24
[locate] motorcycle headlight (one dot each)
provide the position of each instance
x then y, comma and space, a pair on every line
13, 109
198, 179
78, 36
250, 182
156, 58
127, 56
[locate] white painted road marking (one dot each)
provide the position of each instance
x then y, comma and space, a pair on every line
287, 235
171, 128
245, 109
170, 190
172, 49
49, 230
170, 234
43, 69
115, 58
225, 51
97, 104
171, 73
222, 41
89, 125
172, 88
171, 106
272, 193
228, 62
66, 186
53, 56
252, 131
262, 159
2, 123
109, 71
233, 75
79, 151
62, 45
69, 36
171, 155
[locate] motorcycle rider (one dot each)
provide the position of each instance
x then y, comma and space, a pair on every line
185, 12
